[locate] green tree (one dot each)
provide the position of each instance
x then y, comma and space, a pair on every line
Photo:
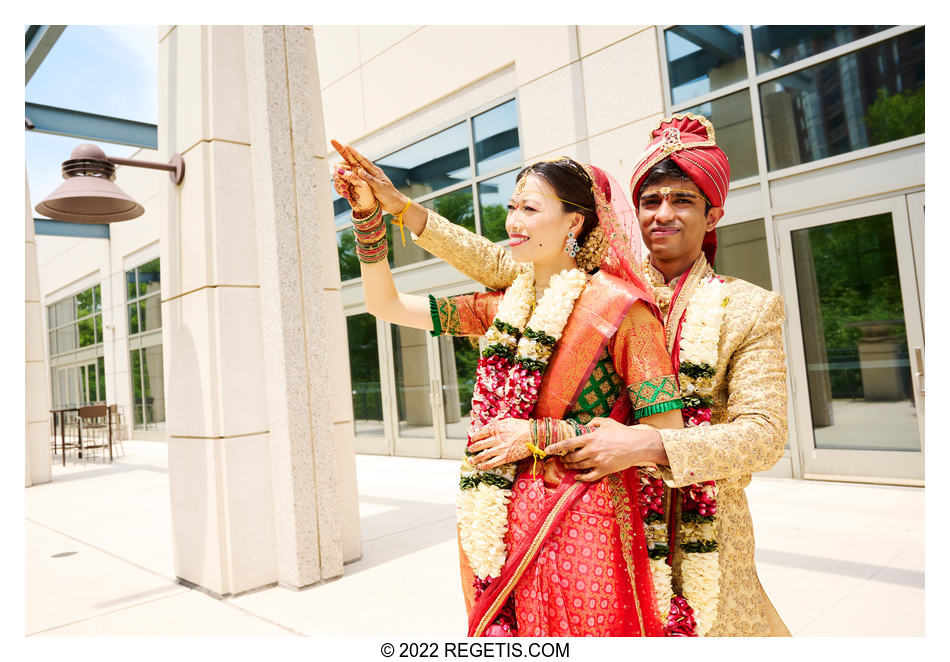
895, 116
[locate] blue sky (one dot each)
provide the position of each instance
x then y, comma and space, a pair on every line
107, 70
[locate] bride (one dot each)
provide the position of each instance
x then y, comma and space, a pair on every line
546, 551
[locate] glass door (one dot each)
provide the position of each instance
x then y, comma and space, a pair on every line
855, 342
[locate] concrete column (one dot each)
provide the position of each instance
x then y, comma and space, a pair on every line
231, 459
304, 330
37, 375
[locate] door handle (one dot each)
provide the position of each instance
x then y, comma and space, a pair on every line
919, 374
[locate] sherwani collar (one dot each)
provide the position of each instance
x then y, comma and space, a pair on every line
673, 297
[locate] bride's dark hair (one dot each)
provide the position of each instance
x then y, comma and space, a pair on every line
572, 185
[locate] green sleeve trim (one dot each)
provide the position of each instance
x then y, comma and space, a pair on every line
436, 321
658, 408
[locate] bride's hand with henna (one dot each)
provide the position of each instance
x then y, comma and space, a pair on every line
391, 200
500, 442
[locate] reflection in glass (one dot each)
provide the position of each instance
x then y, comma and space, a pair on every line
131, 289
83, 386
64, 311
66, 338
778, 45
431, 164
493, 195
150, 278
364, 375
150, 310
864, 98
732, 117
459, 357
496, 138
97, 291
84, 303
412, 382
703, 58
87, 332
743, 252
137, 397
852, 319
346, 253
153, 378
133, 318
98, 319
101, 376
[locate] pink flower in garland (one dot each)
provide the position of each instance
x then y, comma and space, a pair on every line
680, 622
698, 499
651, 495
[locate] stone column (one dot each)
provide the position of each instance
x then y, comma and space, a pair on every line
306, 368
235, 447
37, 375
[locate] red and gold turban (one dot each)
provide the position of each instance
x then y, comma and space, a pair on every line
690, 141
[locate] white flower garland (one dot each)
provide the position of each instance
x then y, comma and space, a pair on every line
699, 354
483, 506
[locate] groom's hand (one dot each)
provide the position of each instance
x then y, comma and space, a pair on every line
610, 448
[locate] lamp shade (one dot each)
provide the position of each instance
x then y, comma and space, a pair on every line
89, 195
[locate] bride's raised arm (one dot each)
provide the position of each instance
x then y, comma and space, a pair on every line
382, 298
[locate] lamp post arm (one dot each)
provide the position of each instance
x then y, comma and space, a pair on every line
175, 166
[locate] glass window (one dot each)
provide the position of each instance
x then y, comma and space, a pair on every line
426, 168
133, 318
153, 379
144, 296
703, 58
150, 309
346, 252
431, 164
132, 291
459, 357
84, 303
66, 338
137, 398
496, 138
364, 374
411, 365
101, 376
456, 206
864, 98
149, 276
778, 45
87, 332
493, 195
852, 319
742, 251
731, 115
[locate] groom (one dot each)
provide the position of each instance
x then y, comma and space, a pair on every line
679, 188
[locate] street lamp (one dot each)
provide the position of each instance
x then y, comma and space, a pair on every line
90, 196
